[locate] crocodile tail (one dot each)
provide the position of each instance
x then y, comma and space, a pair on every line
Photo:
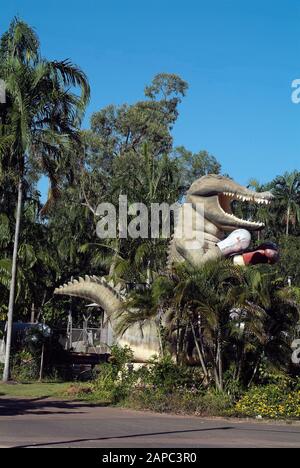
94, 289
144, 343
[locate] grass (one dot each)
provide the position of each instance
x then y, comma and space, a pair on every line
34, 390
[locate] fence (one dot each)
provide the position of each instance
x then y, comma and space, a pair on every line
87, 340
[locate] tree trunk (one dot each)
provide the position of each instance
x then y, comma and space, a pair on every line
254, 372
200, 336
40, 310
177, 341
42, 363
161, 347
240, 367
220, 363
184, 342
214, 359
288, 220
12, 289
240, 358
201, 357
218, 385
32, 318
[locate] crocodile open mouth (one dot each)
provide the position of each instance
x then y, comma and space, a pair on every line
226, 200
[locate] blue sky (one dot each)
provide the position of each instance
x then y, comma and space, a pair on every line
239, 58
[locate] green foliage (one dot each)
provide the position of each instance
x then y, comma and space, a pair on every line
289, 265
4, 230
161, 373
26, 356
192, 166
5, 272
38, 124
115, 379
236, 323
228, 319
159, 386
287, 193
182, 401
25, 366
271, 402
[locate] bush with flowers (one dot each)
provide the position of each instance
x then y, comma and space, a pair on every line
271, 402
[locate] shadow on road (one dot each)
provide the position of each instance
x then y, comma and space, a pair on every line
131, 436
44, 406
41, 406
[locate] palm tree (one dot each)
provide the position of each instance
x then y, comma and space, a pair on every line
147, 305
261, 212
251, 300
41, 118
268, 313
193, 306
234, 318
203, 292
287, 192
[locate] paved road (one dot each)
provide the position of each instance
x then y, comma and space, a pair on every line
50, 423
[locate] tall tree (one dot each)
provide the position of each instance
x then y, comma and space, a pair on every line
192, 166
39, 121
287, 192
128, 151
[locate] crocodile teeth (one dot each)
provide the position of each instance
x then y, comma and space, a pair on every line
247, 198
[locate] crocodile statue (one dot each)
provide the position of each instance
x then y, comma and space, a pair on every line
210, 199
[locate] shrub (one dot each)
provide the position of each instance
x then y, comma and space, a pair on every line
160, 386
181, 401
270, 401
215, 403
166, 387
165, 374
24, 367
115, 379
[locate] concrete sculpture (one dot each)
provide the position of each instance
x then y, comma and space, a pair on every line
210, 198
